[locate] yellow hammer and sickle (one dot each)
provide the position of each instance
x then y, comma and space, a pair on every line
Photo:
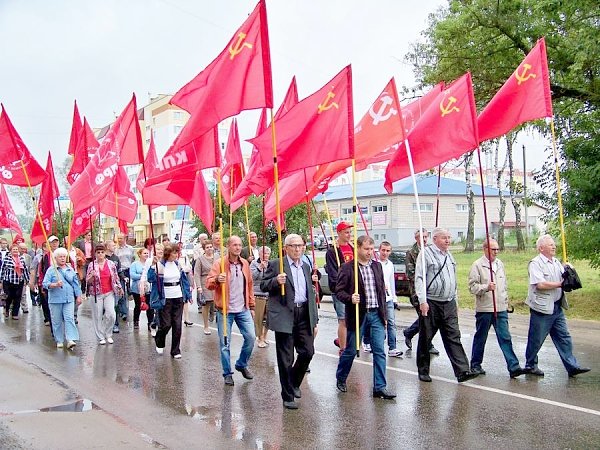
239, 46
448, 108
524, 76
326, 104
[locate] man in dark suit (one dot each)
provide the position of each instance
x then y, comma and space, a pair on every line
371, 301
293, 317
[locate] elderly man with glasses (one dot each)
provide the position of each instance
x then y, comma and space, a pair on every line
486, 292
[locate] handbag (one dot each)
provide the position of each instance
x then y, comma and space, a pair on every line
202, 300
571, 280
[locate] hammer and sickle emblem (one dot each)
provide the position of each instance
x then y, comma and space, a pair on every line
524, 76
327, 104
239, 46
381, 115
448, 108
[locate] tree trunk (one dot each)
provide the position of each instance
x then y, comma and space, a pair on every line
469, 242
501, 199
510, 139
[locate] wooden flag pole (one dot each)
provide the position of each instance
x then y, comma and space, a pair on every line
560, 207
277, 203
355, 257
437, 197
182, 222
222, 254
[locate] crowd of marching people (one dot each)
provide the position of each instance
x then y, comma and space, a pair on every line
245, 286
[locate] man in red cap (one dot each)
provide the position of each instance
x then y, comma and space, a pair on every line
345, 253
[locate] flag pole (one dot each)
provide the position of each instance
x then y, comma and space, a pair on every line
62, 223
560, 207
310, 228
355, 257
277, 203
222, 254
437, 203
364, 222
320, 224
182, 221
248, 227
230, 195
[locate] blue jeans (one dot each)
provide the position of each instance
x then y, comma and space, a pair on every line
339, 306
483, 322
540, 325
63, 321
245, 323
373, 322
391, 327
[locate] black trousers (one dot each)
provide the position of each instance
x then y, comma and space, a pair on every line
442, 316
170, 317
137, 309
45, 307
302, 339
13, 297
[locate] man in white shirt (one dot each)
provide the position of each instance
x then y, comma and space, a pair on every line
545, 300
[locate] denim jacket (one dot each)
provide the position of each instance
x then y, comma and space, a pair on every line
157, 292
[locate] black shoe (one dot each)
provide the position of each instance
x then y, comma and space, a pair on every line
115, 329
425, 377
517, 372
229, 380
533, 371
384, 394
341, 385
578, 371
433, 351
466, 376
124, 317
245, 373
307, 370
408, 342
297, 392
290, 405
26, 311
188, 324
478, 370
136, 325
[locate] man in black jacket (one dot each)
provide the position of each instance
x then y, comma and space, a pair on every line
292, 317
371, 300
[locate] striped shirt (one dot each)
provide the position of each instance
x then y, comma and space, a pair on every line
441, 288
368, 277
9, 273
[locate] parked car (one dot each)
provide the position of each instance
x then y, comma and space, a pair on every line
398, 258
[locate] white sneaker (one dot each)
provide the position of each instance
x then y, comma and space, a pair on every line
395, 353
71, 344
102, 342
177, 356
160, 351
59, 345
366, 347
110, 340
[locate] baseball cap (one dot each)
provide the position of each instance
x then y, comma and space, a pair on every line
342, 226
52, 238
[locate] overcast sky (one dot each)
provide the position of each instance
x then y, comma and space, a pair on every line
99, 52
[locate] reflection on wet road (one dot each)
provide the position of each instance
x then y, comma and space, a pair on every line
184, 403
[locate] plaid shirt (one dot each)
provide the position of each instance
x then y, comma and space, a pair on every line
9, 274
368, 277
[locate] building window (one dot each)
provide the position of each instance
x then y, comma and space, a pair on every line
376, 237
425, 207
379, 208
383, 237
177, 115
139, 202
461, 235
138, 216
347, 211
177, 128
162, 215
462, 207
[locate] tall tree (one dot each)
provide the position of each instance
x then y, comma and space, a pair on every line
470, 238
514, 188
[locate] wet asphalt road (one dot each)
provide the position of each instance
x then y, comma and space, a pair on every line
184, 404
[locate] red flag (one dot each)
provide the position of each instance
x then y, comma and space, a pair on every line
191, 187
233, 171
238, 79
12, 152
48, 193
120, 202
375, 136
447, 129
75, 130
120, 146
255, 181
150, 163
8, 218
317, 130
412, 112
87, 145
524, 96
202, 153
82, 221
292, 191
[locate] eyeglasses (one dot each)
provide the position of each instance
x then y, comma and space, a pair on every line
494, 249
295, 245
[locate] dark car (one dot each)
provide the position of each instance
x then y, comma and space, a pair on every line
398, 258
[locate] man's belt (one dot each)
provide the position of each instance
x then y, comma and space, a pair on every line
171, 284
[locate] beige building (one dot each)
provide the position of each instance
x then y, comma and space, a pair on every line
394, 217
